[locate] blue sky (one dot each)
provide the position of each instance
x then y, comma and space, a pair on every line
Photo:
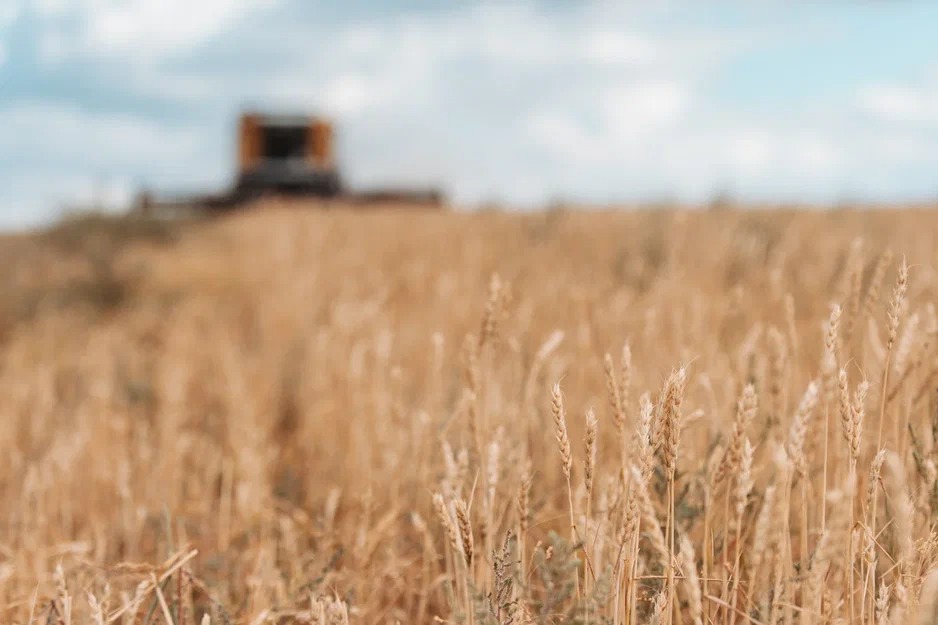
519, 102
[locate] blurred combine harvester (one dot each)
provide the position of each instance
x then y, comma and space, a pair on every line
286, 155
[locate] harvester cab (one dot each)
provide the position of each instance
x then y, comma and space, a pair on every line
286, 154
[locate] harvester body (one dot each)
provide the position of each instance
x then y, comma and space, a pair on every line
286, 154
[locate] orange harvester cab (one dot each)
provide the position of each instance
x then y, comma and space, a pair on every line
286, 153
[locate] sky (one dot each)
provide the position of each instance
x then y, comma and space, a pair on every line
521, 103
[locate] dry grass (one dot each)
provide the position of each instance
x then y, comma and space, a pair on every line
402, 416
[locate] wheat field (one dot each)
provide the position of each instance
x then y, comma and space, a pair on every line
401, 416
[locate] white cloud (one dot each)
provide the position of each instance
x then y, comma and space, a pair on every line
561, 135
612, 47
643, 106
160, 27
53, 46
816, 154
137, 30
349, 94
67, 134
750, 152
54, 8
8, 14
901, 103
625, 118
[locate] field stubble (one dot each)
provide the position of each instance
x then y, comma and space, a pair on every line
405, 416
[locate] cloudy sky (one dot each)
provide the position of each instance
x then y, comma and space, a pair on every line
519, 102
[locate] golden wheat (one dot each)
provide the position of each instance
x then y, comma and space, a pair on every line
331, 417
